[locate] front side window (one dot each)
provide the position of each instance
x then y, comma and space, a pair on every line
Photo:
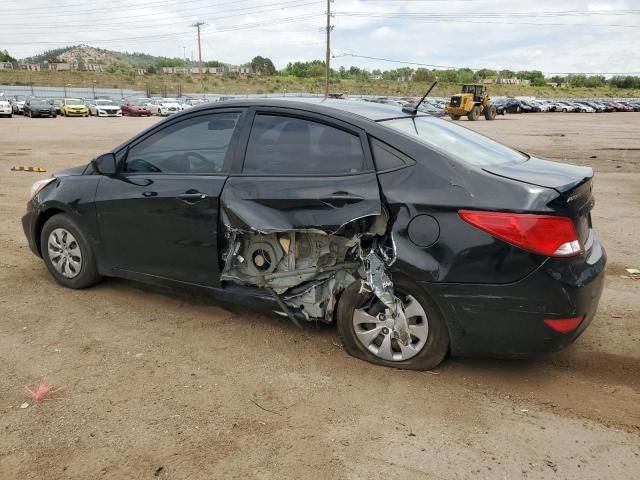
196, 145
458, 142
293, 146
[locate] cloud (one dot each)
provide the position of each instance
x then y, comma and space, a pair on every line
475, 33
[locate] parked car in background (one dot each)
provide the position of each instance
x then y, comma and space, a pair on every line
371, 231
74, 107
17, 104
563, 106
509, 105
164, 106
39, 107
136, 107
635, 107
5, 107
58, 104
104, 108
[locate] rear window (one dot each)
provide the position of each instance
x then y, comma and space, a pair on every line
456, 141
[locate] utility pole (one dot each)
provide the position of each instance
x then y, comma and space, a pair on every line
198, 25
328, 53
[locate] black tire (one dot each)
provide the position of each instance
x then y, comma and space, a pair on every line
88, 274
454, 117
474, 113
437, 343
490, 112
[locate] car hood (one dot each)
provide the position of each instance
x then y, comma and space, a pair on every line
543, 173
165, 104
4, 104
107, 107
70, 172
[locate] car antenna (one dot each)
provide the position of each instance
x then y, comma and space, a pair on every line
413, 109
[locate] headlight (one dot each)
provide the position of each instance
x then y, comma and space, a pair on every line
39, 185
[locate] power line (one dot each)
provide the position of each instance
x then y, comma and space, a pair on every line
122, 26
450, 67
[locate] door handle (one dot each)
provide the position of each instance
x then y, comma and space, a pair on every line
192, 198
340, 199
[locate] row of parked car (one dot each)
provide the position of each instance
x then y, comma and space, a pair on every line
32, 106
514, 105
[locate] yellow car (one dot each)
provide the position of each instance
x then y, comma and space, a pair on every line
74, 107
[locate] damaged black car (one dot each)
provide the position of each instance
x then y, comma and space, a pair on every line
415, 236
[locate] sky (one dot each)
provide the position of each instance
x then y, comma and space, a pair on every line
547, 35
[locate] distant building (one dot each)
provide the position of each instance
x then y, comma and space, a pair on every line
198, 70
243, 71
6, 66
95, 67
30, 66
218, 71
61, 67
512, 81
375, 77
140, 71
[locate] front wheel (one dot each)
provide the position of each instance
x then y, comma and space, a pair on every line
454, 117
474, 113
490, 112
366, 328
67, 253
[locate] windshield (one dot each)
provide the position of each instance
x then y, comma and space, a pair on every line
455, 141
140, 102
73, 101
3, 98
104, 102
170, 100
41, 102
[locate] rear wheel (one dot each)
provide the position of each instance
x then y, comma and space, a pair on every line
474, 113
490, 112
67, 253
366, 328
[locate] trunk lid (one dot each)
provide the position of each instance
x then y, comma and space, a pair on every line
574, 184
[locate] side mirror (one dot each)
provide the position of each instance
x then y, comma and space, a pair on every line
105, 164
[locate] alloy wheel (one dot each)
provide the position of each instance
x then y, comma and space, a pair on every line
64, 253
374, 329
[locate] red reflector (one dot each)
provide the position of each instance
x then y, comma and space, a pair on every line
563, 325
547, 235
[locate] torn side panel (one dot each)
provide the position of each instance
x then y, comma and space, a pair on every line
280, 204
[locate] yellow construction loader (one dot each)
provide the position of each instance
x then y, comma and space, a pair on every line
473, 101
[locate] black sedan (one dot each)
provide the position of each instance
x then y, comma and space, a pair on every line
39, 107
415, 236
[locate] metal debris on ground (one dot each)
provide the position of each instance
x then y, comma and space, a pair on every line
40, 391
634, 273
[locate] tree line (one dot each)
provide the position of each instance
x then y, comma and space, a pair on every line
128, 63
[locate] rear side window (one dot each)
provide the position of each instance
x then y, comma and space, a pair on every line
387, 157
453, 140
293, 146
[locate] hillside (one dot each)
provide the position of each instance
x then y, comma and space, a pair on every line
85, 54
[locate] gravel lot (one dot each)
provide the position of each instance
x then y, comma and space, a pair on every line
159, 384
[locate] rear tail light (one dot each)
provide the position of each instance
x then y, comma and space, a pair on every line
563, 325
546, 235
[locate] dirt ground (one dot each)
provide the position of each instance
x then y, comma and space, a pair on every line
159, 384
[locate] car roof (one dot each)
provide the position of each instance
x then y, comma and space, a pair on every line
349, 108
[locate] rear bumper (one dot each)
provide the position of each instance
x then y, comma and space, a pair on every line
508, 320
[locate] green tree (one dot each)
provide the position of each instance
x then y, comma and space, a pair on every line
5, 57
263, 66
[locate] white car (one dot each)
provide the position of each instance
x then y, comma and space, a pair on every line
17, 104
104, 108
5, 107
164, 106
